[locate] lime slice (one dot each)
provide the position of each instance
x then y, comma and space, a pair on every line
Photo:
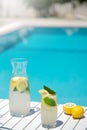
50, 91
49, 101
67, 107
22, 84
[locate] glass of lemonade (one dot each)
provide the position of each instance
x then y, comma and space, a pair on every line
19, 93
48, 107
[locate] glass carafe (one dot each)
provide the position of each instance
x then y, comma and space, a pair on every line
19, 93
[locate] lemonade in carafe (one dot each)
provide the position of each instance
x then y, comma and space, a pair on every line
19, 93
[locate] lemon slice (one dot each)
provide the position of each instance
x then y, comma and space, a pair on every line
22, 84
77, 112
68, 108
43, 92
13, 82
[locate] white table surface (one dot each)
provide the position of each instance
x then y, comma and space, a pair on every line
33, 121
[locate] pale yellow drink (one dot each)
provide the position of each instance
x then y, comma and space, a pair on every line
48, 109
19, 96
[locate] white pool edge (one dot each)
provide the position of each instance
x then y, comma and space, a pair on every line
14, 24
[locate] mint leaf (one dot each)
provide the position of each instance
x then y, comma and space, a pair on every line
15, 89
49, 101
50, 91
28, 89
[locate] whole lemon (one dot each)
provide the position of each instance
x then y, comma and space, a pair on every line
77, 112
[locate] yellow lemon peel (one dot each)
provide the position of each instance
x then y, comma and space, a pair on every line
22, 84
77, 112
68, 108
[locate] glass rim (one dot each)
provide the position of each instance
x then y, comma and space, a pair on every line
19, 60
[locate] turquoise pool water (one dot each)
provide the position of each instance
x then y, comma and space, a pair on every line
57, 57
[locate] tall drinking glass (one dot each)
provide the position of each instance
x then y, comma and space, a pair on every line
48, 109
